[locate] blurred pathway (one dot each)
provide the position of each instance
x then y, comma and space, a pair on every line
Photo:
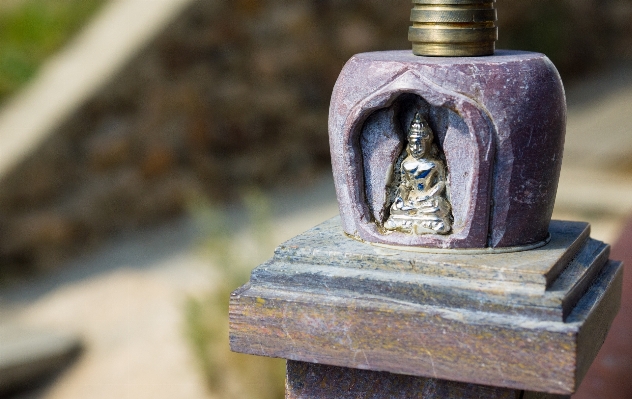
127, 302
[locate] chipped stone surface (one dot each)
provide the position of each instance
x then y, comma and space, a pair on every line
544, 283
327, 245
530, 320
500, 121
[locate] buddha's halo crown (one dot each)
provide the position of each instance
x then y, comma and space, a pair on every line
418, 127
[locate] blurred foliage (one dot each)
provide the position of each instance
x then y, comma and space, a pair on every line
231, 375
31, 30
579, 37
231, 94
544, 29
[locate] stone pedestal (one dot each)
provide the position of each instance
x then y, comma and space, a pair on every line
444, 276
318, 381
526, 321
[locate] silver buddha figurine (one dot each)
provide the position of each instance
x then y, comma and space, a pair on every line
421, 205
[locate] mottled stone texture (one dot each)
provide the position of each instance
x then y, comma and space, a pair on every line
319, 381
500, 121
545, 283
531, 320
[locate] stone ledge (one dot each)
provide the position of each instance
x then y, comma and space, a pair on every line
406, 323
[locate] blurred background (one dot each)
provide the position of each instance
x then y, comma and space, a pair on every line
153, 152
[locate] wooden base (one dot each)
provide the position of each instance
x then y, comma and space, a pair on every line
318, 381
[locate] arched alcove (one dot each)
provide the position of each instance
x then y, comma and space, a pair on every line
383, 142
373, 136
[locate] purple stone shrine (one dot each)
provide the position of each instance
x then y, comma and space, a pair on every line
500, 121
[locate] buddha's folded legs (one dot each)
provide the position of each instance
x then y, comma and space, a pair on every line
417, 224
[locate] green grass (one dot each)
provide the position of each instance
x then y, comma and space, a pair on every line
231, 375
31, 31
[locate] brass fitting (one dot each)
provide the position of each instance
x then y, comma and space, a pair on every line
453, 28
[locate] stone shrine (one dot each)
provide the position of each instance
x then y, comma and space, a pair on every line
443, 276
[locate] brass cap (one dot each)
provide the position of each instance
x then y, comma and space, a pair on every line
453, 28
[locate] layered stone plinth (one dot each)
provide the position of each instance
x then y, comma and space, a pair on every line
531, 320
499, 121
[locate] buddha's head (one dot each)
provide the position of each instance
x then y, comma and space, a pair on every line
419, 137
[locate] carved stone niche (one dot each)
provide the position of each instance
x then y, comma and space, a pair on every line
499, 122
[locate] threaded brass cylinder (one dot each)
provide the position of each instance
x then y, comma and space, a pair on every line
453, 28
